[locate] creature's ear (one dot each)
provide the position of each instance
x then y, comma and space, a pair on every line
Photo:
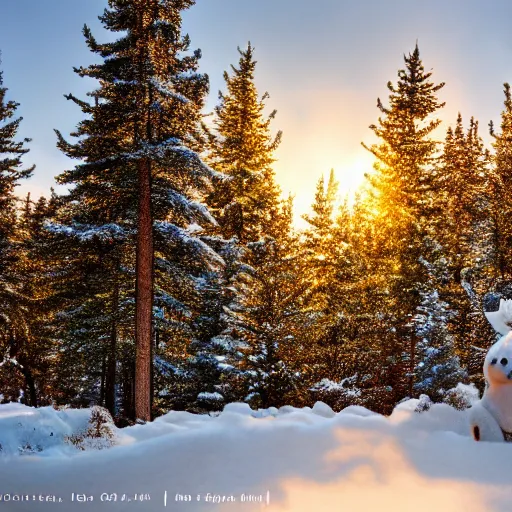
500, 318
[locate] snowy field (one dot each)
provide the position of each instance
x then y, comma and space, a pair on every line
300, 460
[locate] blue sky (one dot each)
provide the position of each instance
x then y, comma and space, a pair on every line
324, 64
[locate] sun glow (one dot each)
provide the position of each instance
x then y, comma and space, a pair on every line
349, 172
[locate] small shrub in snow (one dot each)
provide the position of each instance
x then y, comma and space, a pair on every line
424, 404
210, 401
337, 395
463, 396
99, 434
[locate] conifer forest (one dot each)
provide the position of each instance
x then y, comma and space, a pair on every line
169, 274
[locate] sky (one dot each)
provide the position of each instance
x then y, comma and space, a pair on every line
323, 63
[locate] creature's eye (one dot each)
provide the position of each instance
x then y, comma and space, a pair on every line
494, 361
504, 361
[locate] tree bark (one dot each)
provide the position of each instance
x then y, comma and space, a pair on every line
144, 292
152, 382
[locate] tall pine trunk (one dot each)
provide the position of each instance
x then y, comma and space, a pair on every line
144, 304
144, 263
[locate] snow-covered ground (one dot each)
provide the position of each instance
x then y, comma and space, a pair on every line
300, 460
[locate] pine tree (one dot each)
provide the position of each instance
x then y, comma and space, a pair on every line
403, 190
34, 352
201, 382
381, 356
345, 354
323, 208
320, 252
14, 332
269, 319
439, 368
92, 302
242, 147
251, 214
245, 202
140, 188
501, 180
318, 237
464, 230
463, 202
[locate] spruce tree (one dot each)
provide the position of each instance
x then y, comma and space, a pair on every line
500, 183
320, 251
318, 236
242, 147
344, 350
464, 231
269, 320
11, 172
202, 381
92, 302
403, 188
380, 361
463, 203
36, 352
14, 330
140, 186
251, 214
438, 369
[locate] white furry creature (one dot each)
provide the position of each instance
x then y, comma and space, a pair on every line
491, 417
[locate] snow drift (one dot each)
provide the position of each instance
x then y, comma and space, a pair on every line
290, 459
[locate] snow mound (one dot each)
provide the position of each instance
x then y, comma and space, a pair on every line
358, 410
44, 431
280, 460
323, 410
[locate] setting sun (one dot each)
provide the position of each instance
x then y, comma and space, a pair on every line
301, 178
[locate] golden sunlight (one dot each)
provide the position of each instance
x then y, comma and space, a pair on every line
349, 171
